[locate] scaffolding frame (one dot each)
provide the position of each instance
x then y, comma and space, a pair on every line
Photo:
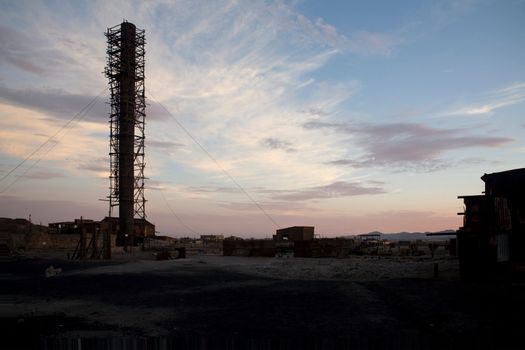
113, 72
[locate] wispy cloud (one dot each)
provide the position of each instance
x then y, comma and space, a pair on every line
23, 52
155, 185
64, 54
362, 42
58, 103
275, 206
507, 96
42, 175
55, 102
316, 111
168, 147
368, 43
69, 147
213, 189
405, 145
277, 144
98, 165
333, 190
279, 197
423, 166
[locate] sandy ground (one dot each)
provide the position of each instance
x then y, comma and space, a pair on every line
212, 301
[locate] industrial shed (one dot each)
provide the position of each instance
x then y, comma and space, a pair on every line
294, 233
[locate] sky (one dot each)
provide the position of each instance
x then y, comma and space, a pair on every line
350, 116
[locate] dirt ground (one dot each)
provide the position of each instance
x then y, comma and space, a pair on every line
208, 302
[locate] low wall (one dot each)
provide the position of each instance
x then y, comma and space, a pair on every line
55, 241
253, 247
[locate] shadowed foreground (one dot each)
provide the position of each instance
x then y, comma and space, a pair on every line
239, 303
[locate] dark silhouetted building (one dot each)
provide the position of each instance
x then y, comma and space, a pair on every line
491, 242
294, 233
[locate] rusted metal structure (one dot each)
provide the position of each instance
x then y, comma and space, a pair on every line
491, 243
125, 71
69, 227
95, 240
88, 246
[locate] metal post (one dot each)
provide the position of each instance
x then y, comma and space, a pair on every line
82, 248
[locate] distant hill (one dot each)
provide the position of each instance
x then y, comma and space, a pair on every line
411, 236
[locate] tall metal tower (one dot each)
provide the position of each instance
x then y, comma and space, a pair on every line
125, 71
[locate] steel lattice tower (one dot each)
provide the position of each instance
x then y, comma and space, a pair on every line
125, 71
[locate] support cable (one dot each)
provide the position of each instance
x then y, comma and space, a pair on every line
161, 190
77, 117
217, 163
173, 212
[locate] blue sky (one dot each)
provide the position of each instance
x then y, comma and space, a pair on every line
351, 116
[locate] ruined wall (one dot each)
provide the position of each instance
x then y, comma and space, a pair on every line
252, 247
324, 248
56, 241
